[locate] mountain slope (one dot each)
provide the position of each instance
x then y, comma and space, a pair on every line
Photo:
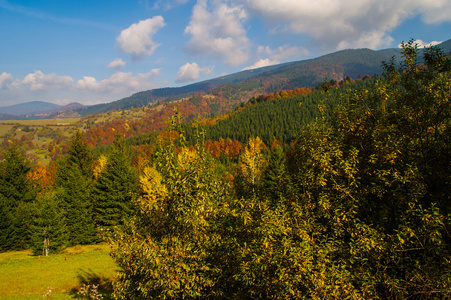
247, 83
309, 73
28, 108
238, 87
145, 98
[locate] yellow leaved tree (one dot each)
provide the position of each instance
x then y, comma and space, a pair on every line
253, 163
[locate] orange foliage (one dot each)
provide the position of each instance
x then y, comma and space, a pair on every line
42, 177
224, 147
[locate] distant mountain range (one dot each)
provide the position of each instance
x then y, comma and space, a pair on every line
28, 108
36, 109
240, 86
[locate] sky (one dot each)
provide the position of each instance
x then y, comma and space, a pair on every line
99, 51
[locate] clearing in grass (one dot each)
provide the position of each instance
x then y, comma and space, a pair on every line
24, 276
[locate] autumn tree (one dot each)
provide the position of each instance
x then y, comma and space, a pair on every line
168, 249
252, 165
363, 183
365, 214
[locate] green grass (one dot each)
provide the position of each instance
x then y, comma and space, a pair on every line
24, 276
5, 129
42, 122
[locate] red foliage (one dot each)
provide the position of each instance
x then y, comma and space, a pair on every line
229, 148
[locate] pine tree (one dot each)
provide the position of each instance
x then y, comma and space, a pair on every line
49, 229
74, 182
276, 180
74, 192
80, 155
115, 189
16, 200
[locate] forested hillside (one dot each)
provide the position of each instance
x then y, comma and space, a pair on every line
246, 84
337, 193
145, 98
281, 116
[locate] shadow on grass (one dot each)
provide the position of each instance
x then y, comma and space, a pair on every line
89, 278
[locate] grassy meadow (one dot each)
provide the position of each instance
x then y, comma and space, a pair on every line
24, 276
35, 136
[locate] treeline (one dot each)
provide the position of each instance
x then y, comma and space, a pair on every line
357, 206
50, 208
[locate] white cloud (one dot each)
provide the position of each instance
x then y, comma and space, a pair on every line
262, 63
116, 64
218, 32
119, 83
278, 55
39, 81
343, 24
166, 4
6, 80
190, 72
435, 11
422, 44
138, 38
283, 53
38, 86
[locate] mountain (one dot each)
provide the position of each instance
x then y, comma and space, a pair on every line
145, 98
246, 84
70, 106
39, 110
28, 108
240, 86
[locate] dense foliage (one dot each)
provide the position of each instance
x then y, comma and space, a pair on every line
351, 201
362, 210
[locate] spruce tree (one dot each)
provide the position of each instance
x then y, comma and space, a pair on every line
74, 192
74, 181
276, 181
115, 189
80, 155
49, 230
16, 200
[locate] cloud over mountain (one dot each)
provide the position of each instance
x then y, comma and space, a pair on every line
119, 82
39, 81
6, 80
217, 31
335, 25
191, 72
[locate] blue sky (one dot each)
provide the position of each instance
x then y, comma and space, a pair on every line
101, 51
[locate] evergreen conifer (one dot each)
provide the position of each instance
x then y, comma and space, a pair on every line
116, 188
16, 200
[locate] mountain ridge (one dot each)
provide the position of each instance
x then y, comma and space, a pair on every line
32, 107
36, 109
244, 84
